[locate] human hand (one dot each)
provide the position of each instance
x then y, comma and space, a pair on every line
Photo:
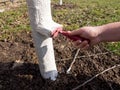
56, 32
90, 35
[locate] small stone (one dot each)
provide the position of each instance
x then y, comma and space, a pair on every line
2, 10
62, 47
17, 63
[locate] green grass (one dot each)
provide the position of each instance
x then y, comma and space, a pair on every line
115, 47
14, 20
83, 13
88, 12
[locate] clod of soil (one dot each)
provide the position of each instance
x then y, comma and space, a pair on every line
26, 75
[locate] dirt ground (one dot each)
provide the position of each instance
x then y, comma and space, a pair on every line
19, 65
26, 75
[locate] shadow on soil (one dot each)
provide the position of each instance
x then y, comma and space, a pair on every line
27, 77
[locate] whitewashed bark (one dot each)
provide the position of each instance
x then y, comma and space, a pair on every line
61, 2
42, 26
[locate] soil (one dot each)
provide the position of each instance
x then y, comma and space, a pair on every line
19, 66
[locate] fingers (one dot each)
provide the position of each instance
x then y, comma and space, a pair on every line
75, 32
83, 45
77, 43
56, 32
86, 47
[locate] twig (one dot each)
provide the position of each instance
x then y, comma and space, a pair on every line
83, 56
68, 71
102, 75
96, 76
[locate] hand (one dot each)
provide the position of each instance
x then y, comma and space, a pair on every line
90, 35
56, 32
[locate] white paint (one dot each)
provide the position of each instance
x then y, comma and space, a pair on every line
42, 26
40, 16
61, 2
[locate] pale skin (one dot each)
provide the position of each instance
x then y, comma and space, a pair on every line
94, 35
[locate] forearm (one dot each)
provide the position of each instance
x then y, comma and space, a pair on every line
109, 32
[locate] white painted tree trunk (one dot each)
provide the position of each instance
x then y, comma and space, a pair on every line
42, 26
61, 2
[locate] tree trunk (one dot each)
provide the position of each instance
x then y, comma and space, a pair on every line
42, 26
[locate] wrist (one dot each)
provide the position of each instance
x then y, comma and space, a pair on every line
100, 30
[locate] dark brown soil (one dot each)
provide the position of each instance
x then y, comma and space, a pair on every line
26, 76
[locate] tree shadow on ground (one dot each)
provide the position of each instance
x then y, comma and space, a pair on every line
27, 77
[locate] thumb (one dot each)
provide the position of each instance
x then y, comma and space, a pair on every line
75, 32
